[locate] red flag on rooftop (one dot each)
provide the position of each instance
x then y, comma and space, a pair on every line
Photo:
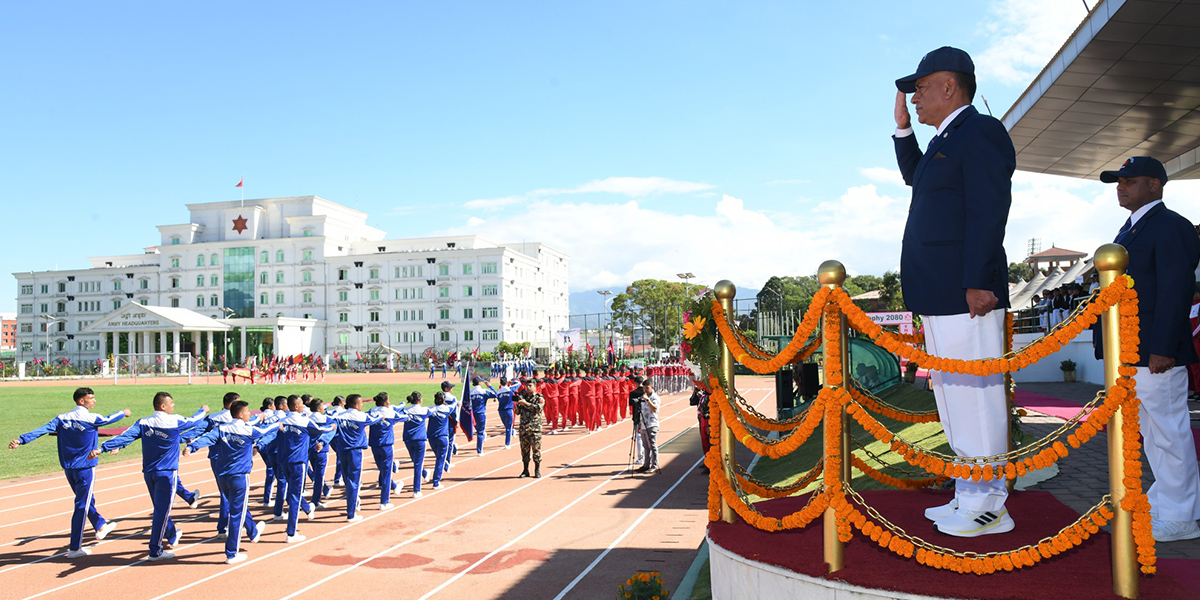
240, 182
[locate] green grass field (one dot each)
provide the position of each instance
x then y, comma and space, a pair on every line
27, 408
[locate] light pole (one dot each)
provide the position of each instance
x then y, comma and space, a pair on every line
605, 294
49, 319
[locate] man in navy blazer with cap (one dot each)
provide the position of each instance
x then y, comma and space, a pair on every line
1163, 253
953, 270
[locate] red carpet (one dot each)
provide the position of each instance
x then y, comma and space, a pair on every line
1047, 405
1082, 574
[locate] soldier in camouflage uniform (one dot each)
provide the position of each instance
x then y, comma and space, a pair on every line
529, 408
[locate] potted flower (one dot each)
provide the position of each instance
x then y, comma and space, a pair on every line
1068, 369
910, 372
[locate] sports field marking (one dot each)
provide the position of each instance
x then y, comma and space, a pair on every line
107, 470
71, 497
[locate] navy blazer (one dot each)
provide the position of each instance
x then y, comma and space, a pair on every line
954, 238
1163, 252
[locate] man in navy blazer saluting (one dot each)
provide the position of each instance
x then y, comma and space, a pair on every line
1163, 252
953, 270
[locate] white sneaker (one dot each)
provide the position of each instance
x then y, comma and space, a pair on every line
295, 538
507, 446
354, 519
175, 540
80, 553
1174, 531
236, 558
275, 518
322, 505
308, 514
416, 494
221, 535
105, 530
259, 530
163, 556
195, 503
437, 486
967, 523
938, 513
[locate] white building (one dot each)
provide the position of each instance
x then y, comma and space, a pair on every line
298, 275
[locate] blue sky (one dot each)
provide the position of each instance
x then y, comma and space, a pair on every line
733, 140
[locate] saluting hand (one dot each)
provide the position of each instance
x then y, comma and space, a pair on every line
903, 120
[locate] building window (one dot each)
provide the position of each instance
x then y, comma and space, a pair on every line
307, 296
62, 288
443, 270
116, 304
343, 274
490, 290
374, 337
213, 300
443, 313
214, 280
343, 338
373, 316
468, 336
487, 268
26, 290
468, 313
444, 292
308, 233
278, 297
374, 271
373, 294
264, 257
213, 261
200, 260
306, 276
174, 302
491, 312
262, 298
200, 301
445, 336
174, 282
279, 256
468, 291
117, 285
306, 255
44, 308
174, 263
343, 317
468, 269
143, 284
62, 306
491, 335
26, 309
343, 296
262, 278
278, 276
199, 281
175, 240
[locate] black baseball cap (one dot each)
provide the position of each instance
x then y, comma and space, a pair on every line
1137, 166
945, 58
447, 385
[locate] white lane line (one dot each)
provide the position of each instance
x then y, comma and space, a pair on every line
106, 468
71, 497
627, 531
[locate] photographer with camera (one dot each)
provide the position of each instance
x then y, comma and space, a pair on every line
649, 409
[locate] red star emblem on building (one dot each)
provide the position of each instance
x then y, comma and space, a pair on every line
239, 224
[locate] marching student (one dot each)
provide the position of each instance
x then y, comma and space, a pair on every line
415, 434
215, 420
439, 431
504, 406
273, 409
479, 396
451, 445
233, 443
292, 444
336, 407
160, 433
318, 453
77, 437
381, 437
352, 426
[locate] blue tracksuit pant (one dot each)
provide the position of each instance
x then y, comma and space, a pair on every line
352, 471
268, 458
161, 485
383, 461
237, 489
318, 461
441, 454
182, 492
223, 511
506, 417
293, 476
416, 453
480, 416
337, 467
85, 505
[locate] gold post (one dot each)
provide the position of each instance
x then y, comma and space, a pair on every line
725, 291
832, 274
1009, 484
1111, 261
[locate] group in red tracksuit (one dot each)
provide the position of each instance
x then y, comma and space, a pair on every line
586, 398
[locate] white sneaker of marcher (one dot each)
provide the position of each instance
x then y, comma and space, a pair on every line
259, 530
1174, 531
967, 523
236, 558
106, 529
938, 513
295, 538
80, 553
163, 556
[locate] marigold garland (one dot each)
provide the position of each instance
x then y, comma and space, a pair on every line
797, 349
764, 490
875, 405
896, 482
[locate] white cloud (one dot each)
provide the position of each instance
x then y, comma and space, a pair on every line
883, 175
1023, 36
493, 203
633, 187
788, 182
475, 222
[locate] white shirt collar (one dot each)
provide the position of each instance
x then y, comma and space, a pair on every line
949, 119
1141, 212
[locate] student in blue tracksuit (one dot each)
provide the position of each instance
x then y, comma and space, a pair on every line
281, 482
318, 453
438, 431
216, 420
415, 434
337, 406
504, 405
451, 446
77, 436
266, 445
296, 432
479, 395
160, 433
381, 437
233, 443
352, 425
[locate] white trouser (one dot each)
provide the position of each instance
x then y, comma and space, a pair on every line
973, 409
1167, 430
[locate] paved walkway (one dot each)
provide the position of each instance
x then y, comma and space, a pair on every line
1083, 476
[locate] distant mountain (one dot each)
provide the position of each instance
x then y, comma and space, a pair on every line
590, 302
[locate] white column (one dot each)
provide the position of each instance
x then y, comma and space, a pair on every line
208, 351
242, 354
176, 342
